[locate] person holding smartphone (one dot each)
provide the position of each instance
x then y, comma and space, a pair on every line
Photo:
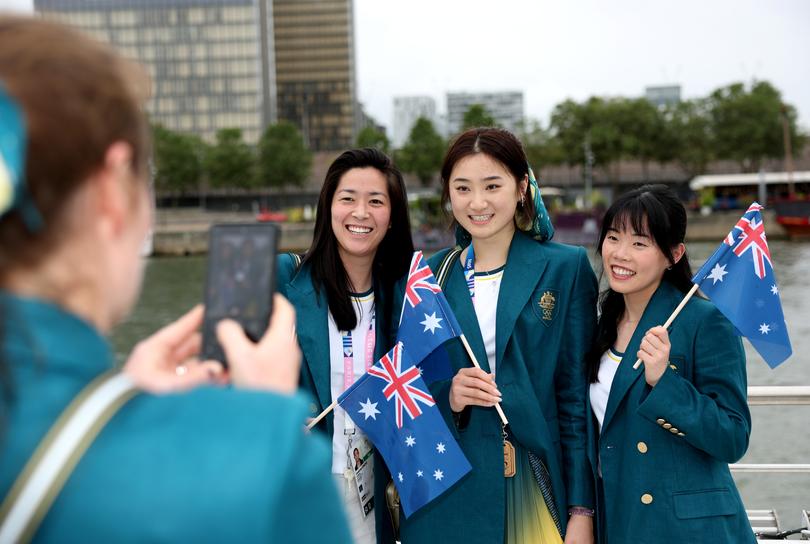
209, 465
527, 307
343, 295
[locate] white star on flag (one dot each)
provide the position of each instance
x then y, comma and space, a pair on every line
438, 474
400, 477
431, 323
440, 447
717, 273
410, 441
419, 473
764, 329
774, 289
369, 409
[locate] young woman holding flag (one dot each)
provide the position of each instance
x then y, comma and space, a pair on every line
527, 308
342, 291
662, 435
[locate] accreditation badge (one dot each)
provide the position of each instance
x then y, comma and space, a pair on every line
361, 464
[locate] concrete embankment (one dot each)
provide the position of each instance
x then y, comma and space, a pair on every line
185, 232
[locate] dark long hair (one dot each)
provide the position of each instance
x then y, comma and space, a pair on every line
657, 211
393, 255
499, 144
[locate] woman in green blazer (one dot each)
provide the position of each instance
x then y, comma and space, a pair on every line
342, 293
527, 308
210, 465
661, 436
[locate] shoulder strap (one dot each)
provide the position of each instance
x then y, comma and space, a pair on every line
296, 258
446, 265
59, 452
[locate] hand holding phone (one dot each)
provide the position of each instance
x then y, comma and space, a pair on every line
240, 281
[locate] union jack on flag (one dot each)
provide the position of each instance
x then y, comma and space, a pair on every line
749, 300
419, 278
400, 384
751, 236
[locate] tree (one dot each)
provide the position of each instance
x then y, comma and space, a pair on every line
178, 160
284, 159
747, 123
423, 152
371, 137
690, 126
542, 148
477, 116
230, 162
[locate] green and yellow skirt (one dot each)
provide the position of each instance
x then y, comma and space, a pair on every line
528, 518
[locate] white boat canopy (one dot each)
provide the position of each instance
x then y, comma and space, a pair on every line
733, 180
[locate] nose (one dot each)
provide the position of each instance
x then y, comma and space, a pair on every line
360, 211
478, 200
620, 251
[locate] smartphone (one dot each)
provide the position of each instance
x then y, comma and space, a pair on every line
240, 281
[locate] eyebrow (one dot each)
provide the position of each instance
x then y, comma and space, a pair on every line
488, 178
371, 193
640, 235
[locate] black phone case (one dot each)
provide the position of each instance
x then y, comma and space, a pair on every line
240, 281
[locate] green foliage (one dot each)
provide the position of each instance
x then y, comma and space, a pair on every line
178, 160
423, 152
477, 116
690, 125
542, 148
283, 157
371, 137
748, 123
230, 162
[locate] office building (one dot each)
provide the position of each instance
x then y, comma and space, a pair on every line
505, 107
407, 109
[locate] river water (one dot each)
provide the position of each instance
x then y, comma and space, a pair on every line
780, 434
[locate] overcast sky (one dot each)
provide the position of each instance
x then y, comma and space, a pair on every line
558, 49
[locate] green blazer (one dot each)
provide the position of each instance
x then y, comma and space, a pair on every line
665, 450
212, 465
541, 376
312, 328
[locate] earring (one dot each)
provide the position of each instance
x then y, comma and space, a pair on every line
522, 198
669, 267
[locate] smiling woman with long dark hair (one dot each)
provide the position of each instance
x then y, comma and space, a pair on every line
343, 294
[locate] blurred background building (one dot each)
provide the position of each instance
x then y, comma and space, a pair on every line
663, 95
407, 109
235, 63
505, 107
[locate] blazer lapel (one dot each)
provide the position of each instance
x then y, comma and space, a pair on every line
656, 313
524, 268
459, 298
313, 333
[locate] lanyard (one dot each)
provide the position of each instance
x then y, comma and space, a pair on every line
469, 271
348, 352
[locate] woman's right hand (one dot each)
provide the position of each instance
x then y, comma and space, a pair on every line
274, 362
473, 387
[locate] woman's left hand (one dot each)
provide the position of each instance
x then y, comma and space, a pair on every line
654, 352
163, 363
579, 530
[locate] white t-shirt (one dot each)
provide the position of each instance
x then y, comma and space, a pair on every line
364, 308
487, 287
600, 391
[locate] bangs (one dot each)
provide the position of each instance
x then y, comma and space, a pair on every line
641, 214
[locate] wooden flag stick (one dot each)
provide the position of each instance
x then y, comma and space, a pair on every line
321, 415
674, 314
475, 363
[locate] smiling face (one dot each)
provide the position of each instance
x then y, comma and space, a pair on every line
361, 212
484, 196
633, 262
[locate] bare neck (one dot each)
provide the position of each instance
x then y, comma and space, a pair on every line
491, 253
359, 271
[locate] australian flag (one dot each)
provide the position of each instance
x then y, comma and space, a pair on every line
392, 406
426, 322
740, 280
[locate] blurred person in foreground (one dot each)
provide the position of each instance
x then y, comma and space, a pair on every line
212, 464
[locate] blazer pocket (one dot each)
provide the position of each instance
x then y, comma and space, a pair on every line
704, 503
